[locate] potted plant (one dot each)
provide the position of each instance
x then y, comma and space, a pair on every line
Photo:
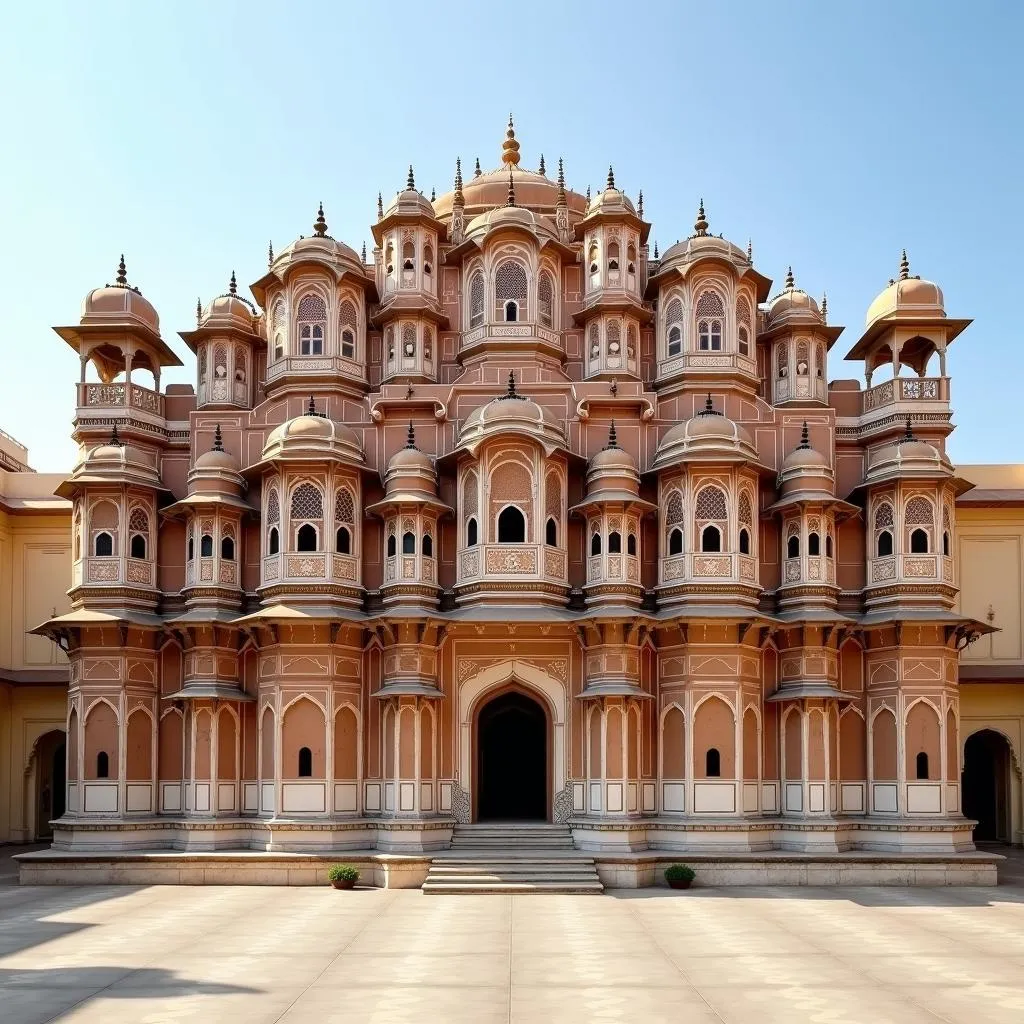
679, 876
343, 876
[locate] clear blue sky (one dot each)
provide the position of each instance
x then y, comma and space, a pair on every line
187, 135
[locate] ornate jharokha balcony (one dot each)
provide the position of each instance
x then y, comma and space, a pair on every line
912, 569
919, 390
524, 333
112, 569
101, 399
513, 563
314, 367
309, 567
717, 566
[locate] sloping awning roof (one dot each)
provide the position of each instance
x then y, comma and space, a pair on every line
807, 689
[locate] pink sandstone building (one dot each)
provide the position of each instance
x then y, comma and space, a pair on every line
514, 520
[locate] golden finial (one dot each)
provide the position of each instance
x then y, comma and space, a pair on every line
700, 227
904, 266
790, 283
122, 274
542, 169
320, 225
511, 201
510, 148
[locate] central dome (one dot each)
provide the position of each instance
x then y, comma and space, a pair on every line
313, 436
708, 435
511, 413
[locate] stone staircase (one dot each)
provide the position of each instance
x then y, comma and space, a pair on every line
512, 858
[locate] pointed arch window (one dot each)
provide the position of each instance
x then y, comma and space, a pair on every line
595, 544
312, 323
392, 544
674, 327
344, 520
305, 763
307, 515
511, 526
227, 549
793, 546
813, 544
551, 533
674, 521
104, 545
883, 526
102, 765
631, 544
711, 511
510, 290
710, 315
348, 320
613, 256
427, 546
921, 765
546, 300
471, 533
408, 543
476, 299
615, 543
206, 546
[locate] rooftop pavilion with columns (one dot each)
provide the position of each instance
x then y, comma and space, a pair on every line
512, 519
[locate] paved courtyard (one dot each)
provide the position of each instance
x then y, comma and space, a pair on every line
252, 954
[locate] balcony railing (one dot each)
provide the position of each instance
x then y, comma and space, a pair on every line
907, 389
522, 331
512, 562
119, 396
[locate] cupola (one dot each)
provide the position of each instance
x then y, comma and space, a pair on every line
708, 436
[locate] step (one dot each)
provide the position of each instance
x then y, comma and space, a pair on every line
473, 888
507, 843
506, 872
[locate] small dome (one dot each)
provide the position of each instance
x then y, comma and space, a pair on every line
509, 216
701, 245
216, 472
115, 463
907, 296
410, 471
313, 436
806, 470
410, 203
216, 459
319, 248
513, 413
611, 201
793, 305
229, 311
708, 435
119, 303
908, 457
612, 470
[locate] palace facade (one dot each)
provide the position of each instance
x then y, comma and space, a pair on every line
513, 518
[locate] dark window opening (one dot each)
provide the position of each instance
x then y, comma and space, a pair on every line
813, 544
919, 543
427, 546
614, 543
945, 543
828, 546
408, 543
343, 541
744, 542
206, 546
595, 544
793, 547
471, 533
227, 549
138, 546
305, 763
551, 533
102, 765
922, 765
273, 542
192, 548
392, 547
104, 545
306, 538
711, 539
511, 526
348, 344
631, 544
675, 542
713, 763
511, 312
884, 544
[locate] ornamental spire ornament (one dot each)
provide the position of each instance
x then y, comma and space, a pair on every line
115, 441
542, 169
410, 438
362, 255
909, 435
320, 225
709, 408
750, 252
511, 201
700, 226
640, 205
790, 282
122, 274
613, 441
232, 285
656, 251
380, 207
611, 178
511, 391
824, 307
311, 408
433, 194
199, 309
270, 253
805, 438
477, 172
218, 440
458, 197
410, 181
904, 266
510, 147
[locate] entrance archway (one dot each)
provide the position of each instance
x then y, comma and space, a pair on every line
512, 759
51, 781
986, 785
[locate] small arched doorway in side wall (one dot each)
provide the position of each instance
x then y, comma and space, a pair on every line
512, 759
986, 785
51, 781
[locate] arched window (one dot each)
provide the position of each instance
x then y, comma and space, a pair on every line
595, 544
613, 255
305, 763
392, 545
138, 546
471, 533
103, 545
793, 547
427, 546
919, 542
191, 547
813, 544
408, 543
476, 299
713, 763
744, 341
511, 526
551, 533
614, 543
674, 515
631, 258
592, 254
884, 546
922, 765
546, 300
510, 290
305, 539
408, 341
102, 765
343, 541
312, 323
389, 258
673, 325
710, 314
273, 542
631, 544
828, 545
138, 528
744, 322
307, 510
675, 542
206, 546
883, 529
227, 549
711, 539
347, 326
945, 543
746, 521
428, 259
344, 518
744, 541
408, 255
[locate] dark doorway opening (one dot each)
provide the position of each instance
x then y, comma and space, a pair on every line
985, 785
51, 781
512, 767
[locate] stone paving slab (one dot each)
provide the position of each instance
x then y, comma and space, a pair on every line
264, 954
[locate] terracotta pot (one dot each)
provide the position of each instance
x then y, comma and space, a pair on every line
679, 883
344, 883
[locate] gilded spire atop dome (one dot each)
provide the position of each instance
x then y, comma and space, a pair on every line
218, 440
542, 169
805, 438
270, 253
380, 206
790, 282
904, 266
510, 147
511, 201
700, 226
410, 181
709, 408
611, 178
115, 441
477, 172
640, 205
458, 199
232, 285
410, 438
122, 274
613, 441
320, 225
